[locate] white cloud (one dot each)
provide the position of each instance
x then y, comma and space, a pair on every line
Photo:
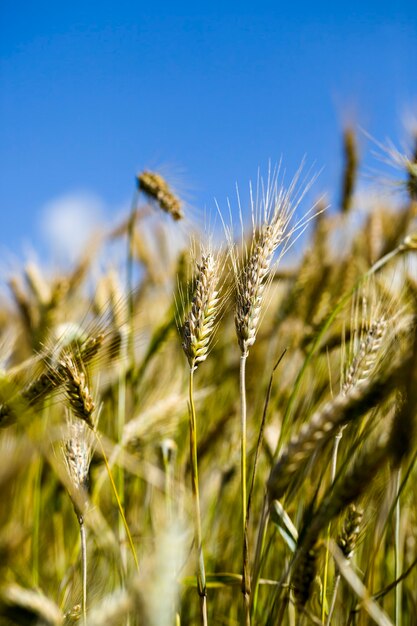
69, 221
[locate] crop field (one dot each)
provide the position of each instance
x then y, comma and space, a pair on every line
221, 427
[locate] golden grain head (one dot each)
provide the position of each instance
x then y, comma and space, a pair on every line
77, 450
199, 323
348, 537
77, 390
156, 188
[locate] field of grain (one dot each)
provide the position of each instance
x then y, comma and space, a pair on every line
221, 429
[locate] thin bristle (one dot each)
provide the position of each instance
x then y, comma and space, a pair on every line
90, 348
41, 386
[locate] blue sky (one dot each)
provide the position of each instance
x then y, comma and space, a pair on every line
92, 92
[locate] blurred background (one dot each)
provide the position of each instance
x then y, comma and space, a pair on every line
93, 92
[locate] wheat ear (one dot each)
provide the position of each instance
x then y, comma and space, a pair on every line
55, 375
198, 326
77, 390
346, 541
303, 577
156, 187
351, 169
366, 357
51, 379
325, 423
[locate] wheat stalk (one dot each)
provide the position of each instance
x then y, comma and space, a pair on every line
196, 333
77, 450
271, 220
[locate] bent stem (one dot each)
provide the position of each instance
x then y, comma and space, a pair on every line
333, 600
129, 276
336, 443
201, 574
36, 522
119, 504
83, 567
121, 414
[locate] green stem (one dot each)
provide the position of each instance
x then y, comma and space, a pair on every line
201, 574
243, 437
129, 278
245, 564
83, 567
121, 410
37, 507
167, 462
398, 588
119, 504
333, 601
378, 539
336, 443
36, 522
260, 544
325, 574
259, 552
